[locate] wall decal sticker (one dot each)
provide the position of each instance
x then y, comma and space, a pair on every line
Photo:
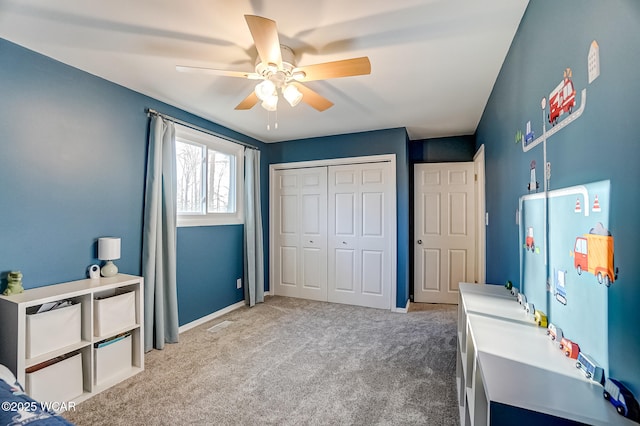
533, 183
529, 243
578, 208
570, 237
528, 137
596, 205
593, 61
593, 253
560, 291
561, 100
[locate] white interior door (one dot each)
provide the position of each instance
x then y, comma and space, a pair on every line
444, 230
300, 218
359, 234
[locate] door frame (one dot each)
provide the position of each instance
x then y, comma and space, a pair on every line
445, 292
393, 229
482, 219
481, 216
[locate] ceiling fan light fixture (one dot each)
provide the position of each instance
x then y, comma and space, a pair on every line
272, 68
270, 103
265, 89
292, 94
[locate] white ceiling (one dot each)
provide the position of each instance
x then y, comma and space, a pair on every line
433, 62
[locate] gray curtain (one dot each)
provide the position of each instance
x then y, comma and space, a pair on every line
253, 247
159, 238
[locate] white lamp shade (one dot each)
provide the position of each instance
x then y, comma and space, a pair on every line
108, 248
292, 94
270, 103
265, 89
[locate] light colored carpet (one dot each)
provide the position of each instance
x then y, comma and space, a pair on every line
295, 362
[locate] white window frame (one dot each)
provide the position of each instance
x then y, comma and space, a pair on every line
188, 135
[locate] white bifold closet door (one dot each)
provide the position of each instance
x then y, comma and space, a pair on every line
359, 255
331, 233
300, 215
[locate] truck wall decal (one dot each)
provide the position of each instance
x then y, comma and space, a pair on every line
593, 253
562, 99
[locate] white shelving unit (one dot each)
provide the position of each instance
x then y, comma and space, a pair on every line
505, 360
14, 331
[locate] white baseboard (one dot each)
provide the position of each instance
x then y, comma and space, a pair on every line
402, 310
211, 316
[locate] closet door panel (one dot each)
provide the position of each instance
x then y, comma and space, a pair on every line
345, 270
313, 233
359, 225
285, 254
300, 249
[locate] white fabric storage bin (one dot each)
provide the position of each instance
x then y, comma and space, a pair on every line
112, 359
51, 330
114, 313
59, 382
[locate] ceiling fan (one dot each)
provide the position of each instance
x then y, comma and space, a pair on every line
277, 70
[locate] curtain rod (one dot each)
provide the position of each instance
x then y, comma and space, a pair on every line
200, 129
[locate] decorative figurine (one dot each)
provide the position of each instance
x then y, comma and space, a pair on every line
590, 368
569, 348
522, 299
540, 318
621, 398
14, 283
554, 333
530, 308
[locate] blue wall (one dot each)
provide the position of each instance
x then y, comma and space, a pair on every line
391, 141
442, 150
602, 144
207, 275
73, 156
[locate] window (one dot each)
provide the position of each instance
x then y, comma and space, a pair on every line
210, 173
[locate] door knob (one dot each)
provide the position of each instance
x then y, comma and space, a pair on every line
419, 241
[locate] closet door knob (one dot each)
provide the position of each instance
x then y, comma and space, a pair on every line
419, 241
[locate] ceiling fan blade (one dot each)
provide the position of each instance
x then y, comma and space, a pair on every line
248, 102
211, 71
312, 98
336, 69
265, 37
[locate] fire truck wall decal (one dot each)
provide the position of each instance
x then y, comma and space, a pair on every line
562, 99
559, 109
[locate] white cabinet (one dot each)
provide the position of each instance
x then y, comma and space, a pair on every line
71, 344
509, 372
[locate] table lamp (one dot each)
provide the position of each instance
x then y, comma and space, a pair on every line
109, 250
